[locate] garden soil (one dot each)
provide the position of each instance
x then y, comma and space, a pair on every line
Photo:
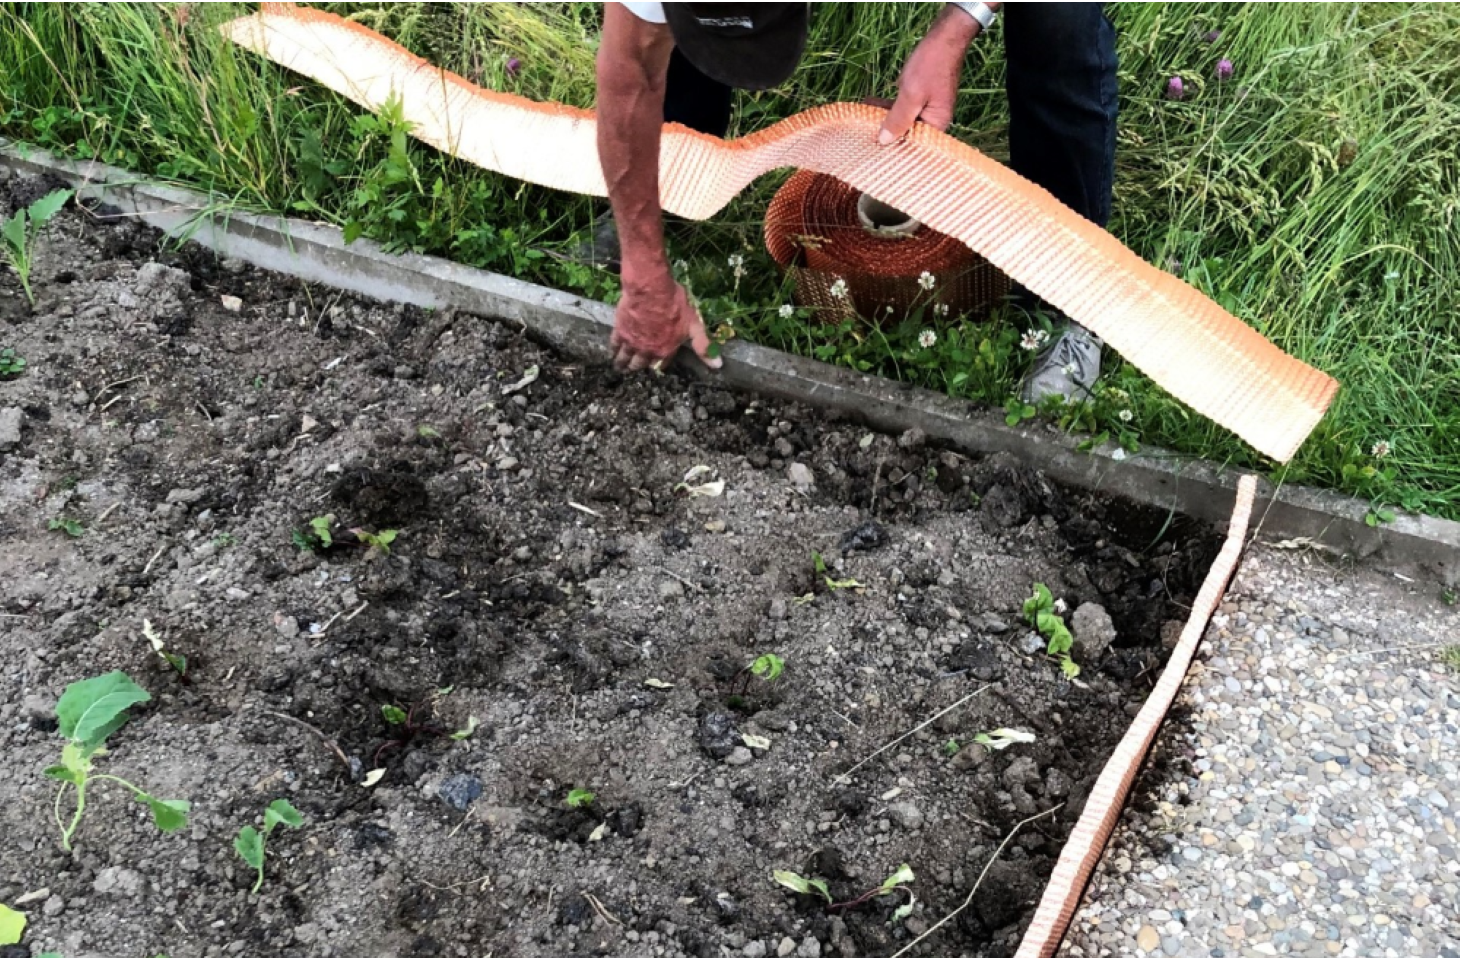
554, 582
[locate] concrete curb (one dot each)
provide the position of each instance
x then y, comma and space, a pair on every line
579, 327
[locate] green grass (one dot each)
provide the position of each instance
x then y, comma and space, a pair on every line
1315, 193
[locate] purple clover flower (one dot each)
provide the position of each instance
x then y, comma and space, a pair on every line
1213, 36
1224, 69
1175, 89
514, 66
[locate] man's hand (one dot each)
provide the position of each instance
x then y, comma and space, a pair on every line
653, 320
928, 87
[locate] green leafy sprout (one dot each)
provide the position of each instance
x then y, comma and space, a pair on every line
579, 798
12, 925
176, 661
819, 565
318, 536
88, 712
11, 363
18, 234
1003, 737
1039, 611
808, 885
768, 667
379, 542
250, 840
73, 528
393, 715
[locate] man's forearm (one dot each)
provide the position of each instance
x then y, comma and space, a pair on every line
632, 63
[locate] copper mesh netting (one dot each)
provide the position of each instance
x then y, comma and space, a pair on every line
1180, 338
812, 230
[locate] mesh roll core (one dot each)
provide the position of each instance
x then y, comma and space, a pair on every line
814, 231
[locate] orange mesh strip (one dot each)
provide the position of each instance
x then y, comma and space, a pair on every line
1183, 341
1087, 841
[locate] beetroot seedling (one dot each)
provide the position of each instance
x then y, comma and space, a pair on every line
88, 712
250, 841
176, 661
579, 798
832, 584
410, 725
767, 666
18, 234
378, 543
318, 536
1042, 611
890, 886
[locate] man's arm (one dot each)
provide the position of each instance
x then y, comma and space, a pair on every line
928, 87
654, 315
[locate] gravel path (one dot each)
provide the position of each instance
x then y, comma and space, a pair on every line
1313, 803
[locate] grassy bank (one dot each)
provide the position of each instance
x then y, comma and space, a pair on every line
1314, 193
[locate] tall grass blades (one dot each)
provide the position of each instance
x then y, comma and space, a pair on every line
1308, 178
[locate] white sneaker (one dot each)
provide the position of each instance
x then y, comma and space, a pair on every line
1067, 369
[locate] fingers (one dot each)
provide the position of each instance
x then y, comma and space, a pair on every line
900, 119
699, 339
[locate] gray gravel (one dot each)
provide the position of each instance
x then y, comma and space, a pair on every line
1319, 814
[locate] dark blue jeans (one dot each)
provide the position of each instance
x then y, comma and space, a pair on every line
1061, 86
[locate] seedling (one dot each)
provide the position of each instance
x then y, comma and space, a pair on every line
891, 885
1039, 610
410, 724
767, 666
73, 528
1451, 657
579, 798
466, 731
1379, 515
18, 234
831, 584
951, 748
318, 536
801, 884
11, 364
12, 925
88, 712
379, 542
250, 841
1003, 737
177, 661
225, 539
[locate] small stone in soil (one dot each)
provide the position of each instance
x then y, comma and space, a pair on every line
459, 790
674, 538
868, 536
905, 815
717, 734
670, 589
801, 477
1093, 631
739, 757
777, 610
11, 420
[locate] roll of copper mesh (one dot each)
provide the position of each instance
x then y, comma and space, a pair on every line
814, 230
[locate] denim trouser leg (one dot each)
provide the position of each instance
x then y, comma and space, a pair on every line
693, 99
1062, 101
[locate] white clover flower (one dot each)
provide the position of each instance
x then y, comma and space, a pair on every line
1034, 339
927, 338
737, 265
1381, 449
926, 280
1116, 394
1126, 416
787, 311
839, 288
680, 266
941, 309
